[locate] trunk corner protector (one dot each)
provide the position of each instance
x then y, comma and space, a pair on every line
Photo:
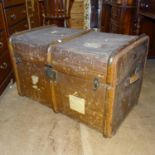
107, 130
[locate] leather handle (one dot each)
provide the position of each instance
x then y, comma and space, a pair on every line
134, 78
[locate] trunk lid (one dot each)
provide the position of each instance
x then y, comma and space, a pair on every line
87, 56
33, 44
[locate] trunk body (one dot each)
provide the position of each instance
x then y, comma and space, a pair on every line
92, 77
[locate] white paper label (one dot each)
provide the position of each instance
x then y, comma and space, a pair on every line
77, 104
35, 79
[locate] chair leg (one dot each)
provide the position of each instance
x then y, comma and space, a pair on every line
48, 22
44, 21
67, 22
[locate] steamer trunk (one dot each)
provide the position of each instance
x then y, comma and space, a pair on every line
92, 77
97, 78
29, 54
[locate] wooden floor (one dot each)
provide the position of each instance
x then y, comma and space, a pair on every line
29, 128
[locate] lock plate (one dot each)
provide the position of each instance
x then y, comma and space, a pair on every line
50, 73
96, 83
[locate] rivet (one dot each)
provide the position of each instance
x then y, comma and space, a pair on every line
59, 41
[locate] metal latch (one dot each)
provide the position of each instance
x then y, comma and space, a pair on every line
17, 59
50, 73
96, 83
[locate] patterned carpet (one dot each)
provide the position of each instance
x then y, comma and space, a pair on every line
29, 128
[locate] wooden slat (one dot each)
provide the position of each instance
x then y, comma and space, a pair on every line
77, 14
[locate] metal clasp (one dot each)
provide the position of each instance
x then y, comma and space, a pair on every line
96, 83
50, 73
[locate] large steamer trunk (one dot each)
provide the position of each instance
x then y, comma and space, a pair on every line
96, 78
29, 54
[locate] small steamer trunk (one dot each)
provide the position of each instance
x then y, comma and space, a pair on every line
97, 78
29, 54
